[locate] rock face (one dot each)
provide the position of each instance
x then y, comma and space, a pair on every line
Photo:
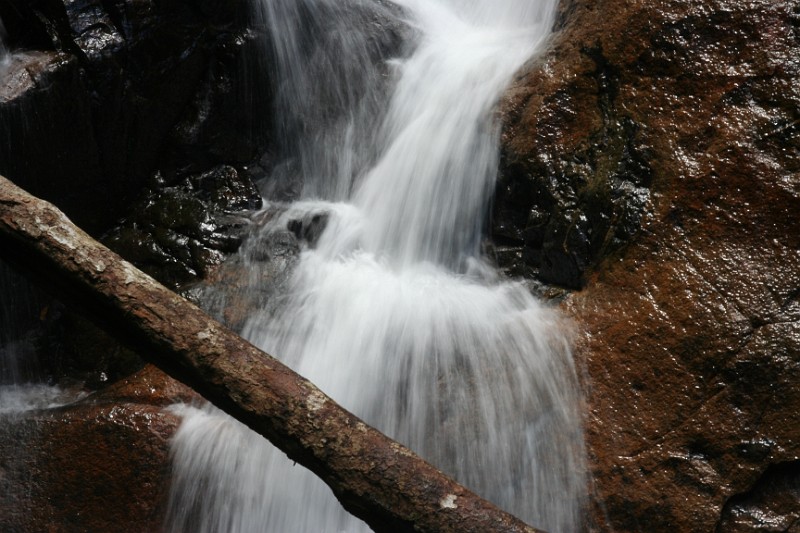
51, 143
179, 233
100, 464
112, 91
653, 158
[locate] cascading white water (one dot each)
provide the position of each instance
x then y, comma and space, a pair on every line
393, 313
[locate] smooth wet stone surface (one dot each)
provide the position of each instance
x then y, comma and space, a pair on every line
684, 117
100, 464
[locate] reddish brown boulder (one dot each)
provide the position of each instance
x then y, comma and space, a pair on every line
690, 325
100, 464
149, 386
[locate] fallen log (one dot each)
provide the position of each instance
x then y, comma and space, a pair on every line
374, 477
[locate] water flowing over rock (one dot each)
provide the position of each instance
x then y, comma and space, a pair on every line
672, 127
649, 162
389, 306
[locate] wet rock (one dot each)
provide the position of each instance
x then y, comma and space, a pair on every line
42, 341
101, 464
179, 234
48, 143
225, 121
73, 348
773, 503
138, 77
148, 386
256, 279
309, 229
21, 317
575, 177
651, 157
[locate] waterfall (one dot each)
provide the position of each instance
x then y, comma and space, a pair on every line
393, 311
5, 55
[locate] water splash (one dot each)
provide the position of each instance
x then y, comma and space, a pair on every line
18, 399
393, 312
23, 383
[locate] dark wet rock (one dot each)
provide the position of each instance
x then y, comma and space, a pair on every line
48, 141
23, 29
652, 158
309, 229
225, 121
41, 341
150, 87
772, 504
179, 234
575, 176
226, 190
101, 464
73, 348
21, 316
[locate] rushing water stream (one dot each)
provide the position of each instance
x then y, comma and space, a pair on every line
393, 312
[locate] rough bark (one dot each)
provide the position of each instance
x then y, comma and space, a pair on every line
375, 478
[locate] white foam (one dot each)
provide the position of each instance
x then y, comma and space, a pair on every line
395, 316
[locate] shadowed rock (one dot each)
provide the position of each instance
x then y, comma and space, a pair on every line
118, 90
